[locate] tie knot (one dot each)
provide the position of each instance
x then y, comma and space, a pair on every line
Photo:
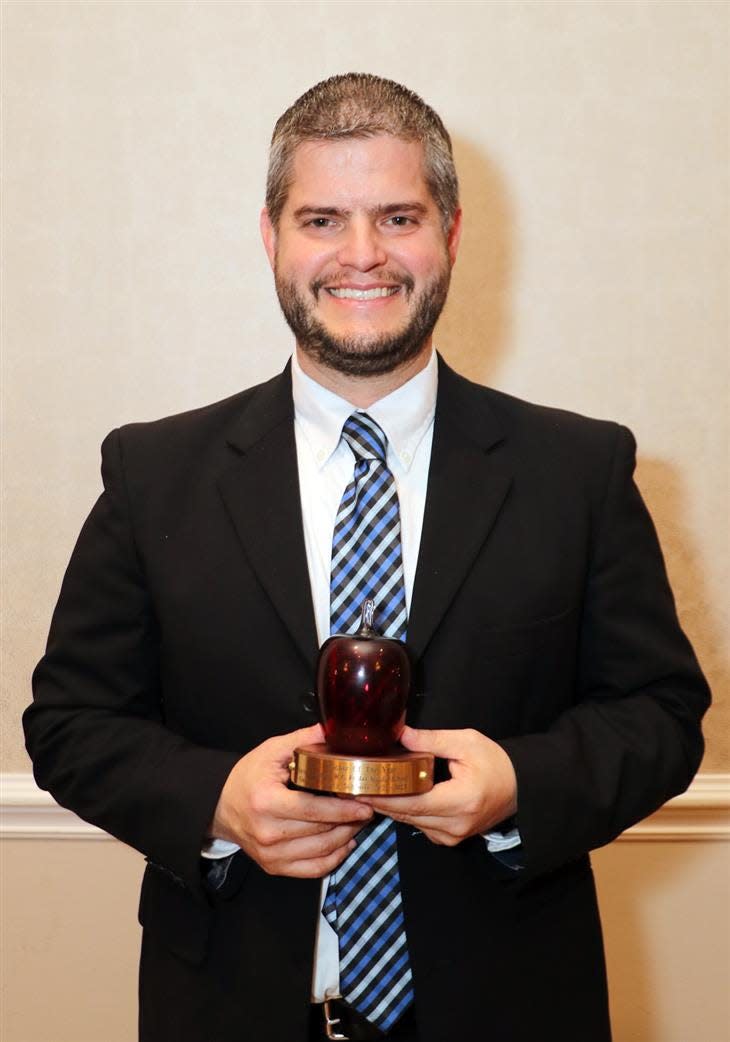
364, 437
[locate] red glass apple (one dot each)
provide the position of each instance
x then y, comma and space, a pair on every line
363, 682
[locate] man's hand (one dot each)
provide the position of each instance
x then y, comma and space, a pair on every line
288, 833
481, 792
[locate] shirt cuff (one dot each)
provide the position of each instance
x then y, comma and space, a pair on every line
499, 841
217, 848
506, 847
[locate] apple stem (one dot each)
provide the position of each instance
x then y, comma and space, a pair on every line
368, 614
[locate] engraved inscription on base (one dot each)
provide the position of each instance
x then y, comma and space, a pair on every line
407, 773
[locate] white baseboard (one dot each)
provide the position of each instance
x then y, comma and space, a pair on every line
700, 814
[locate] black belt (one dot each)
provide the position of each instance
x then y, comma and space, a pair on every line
336, 1020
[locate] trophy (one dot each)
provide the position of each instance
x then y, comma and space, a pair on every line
363, 682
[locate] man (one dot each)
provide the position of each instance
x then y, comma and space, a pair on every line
552, 676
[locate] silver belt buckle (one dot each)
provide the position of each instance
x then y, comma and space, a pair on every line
330, 1023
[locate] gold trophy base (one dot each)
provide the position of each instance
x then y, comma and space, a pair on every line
402, 774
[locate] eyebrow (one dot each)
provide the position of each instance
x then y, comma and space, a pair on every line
372, 211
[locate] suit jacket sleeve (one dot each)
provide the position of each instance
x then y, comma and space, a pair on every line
632, 740
96, 730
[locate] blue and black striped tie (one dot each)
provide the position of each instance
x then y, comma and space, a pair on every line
363, 903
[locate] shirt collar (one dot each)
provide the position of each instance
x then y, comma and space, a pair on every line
405, 414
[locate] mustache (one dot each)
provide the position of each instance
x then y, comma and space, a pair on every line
402, 279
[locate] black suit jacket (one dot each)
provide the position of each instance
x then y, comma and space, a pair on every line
541, 616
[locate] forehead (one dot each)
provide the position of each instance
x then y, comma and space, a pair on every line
353, 171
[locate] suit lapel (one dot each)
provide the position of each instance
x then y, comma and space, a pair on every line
468, 481
261, 494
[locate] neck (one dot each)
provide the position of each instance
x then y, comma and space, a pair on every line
362, 391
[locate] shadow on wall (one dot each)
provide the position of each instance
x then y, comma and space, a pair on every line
661, 487
474, 331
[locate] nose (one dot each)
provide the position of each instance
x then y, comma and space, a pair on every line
361, 247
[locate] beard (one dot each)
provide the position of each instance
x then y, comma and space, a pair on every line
365, 354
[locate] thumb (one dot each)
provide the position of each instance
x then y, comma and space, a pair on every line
283, 745
446, 744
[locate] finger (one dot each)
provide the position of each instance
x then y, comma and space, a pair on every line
447, 835
446, 815
447, 744
449, 826
400, 804
450, 822
278, 830
314, 868
307, 847
303, 806
282, 746
443, 799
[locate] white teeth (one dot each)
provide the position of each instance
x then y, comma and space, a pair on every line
363, 294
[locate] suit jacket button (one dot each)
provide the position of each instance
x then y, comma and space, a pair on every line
308, 702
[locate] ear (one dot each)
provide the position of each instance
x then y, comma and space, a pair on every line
453, 237
268, 234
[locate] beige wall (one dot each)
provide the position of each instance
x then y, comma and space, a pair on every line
70, 941
591, 140
666, 920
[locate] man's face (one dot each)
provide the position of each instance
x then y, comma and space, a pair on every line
360, 258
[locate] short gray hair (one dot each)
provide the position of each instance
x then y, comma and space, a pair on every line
360, 105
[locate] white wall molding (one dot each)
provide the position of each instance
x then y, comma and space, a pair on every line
26, 812
702, 813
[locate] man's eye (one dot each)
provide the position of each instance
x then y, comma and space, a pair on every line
320, 222
400, 220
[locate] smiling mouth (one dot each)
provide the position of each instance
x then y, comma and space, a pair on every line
348, 293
